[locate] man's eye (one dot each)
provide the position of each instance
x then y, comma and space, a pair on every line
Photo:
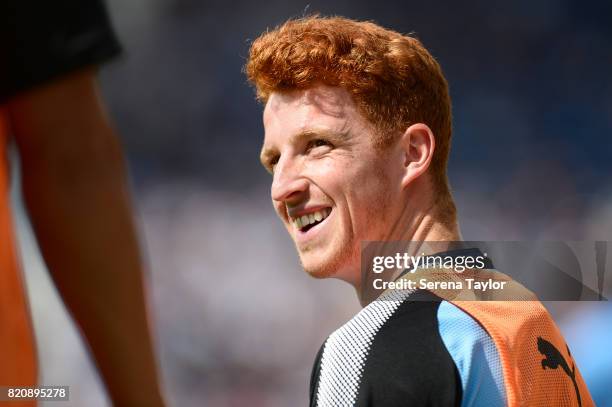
271, 163
318, 143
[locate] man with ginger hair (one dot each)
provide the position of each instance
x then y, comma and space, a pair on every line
357, 125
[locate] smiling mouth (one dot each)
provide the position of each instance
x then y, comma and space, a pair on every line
307, 221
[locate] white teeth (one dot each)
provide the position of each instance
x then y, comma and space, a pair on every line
311, 218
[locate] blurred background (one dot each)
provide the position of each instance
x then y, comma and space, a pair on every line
238, 322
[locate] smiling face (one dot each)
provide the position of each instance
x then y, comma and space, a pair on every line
331, 187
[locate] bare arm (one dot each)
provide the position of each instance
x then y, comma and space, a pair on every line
75, 190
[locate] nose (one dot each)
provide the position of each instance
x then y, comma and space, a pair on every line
288, 184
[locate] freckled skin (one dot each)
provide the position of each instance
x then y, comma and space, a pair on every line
344, 172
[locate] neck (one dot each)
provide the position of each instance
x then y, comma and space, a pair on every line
428, 227
417, 227
425, 217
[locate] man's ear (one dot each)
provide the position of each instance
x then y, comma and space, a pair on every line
418, 145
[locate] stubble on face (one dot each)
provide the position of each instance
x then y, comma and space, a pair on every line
360, 196
348, 253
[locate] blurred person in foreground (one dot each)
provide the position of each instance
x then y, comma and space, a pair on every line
74, 186
357, 125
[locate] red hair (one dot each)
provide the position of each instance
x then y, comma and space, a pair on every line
393, 79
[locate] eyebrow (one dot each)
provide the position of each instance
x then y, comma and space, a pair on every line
267, 154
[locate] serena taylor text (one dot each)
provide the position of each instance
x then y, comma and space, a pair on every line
424, 284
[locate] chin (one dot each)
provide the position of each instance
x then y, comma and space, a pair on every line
330, 265
318, 268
